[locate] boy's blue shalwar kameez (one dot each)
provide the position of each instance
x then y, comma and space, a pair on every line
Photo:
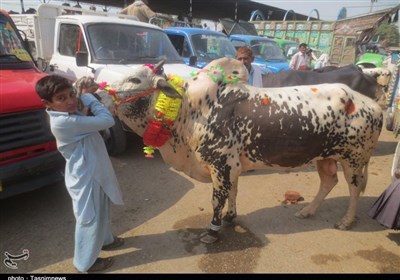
89, 177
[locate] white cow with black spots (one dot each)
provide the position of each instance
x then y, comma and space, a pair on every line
226, 127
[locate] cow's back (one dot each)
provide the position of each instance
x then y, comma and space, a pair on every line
291, 126
350, 75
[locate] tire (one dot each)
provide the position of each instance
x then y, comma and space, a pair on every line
389, 119
115, 138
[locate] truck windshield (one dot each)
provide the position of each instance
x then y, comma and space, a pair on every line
11, 49
121, 44
266, 50
210, 47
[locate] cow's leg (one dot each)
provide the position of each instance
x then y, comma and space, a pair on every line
231, 211
327, 170
224, 186
357, 182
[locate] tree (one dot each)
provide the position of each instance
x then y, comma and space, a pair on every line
390, 33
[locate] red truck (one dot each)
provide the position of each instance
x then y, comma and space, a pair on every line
28, 154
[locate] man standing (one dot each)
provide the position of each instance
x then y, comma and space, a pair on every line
300, 61
140, 10
245, 55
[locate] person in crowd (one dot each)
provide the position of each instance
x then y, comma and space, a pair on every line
386, 208
245, 55
89, 175
141, 10
300, 60
322, 61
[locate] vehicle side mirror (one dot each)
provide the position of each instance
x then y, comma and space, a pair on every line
192, 60
82, 59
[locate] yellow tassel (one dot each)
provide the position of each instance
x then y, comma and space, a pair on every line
167, 105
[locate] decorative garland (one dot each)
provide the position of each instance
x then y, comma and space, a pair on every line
159, 128
217, 74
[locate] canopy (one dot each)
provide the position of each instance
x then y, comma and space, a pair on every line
208, 9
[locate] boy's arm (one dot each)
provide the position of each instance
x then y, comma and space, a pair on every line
100, 120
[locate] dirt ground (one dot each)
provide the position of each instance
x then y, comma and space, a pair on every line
165, 211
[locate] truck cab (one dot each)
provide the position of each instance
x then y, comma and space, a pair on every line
76, 42
198, 46
28, 153
371, 56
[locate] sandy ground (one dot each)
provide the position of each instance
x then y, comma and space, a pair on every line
165, 211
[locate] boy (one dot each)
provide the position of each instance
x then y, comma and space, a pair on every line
89, 175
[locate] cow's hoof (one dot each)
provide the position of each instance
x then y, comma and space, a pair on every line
228, 220
302, 215
343, 225
209, 237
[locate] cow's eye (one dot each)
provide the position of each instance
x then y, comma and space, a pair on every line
134, 80
235, 72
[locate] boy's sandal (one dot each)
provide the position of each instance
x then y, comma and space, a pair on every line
118, 242
101, 264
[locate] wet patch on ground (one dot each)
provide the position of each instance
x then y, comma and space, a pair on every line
386, 261
321, 259
237, 250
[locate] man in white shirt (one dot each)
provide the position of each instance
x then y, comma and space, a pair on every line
300, 60
245, 55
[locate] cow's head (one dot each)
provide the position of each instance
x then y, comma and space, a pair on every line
381, 75
143, 79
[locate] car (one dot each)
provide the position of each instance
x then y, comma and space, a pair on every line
267, 53
198, 46
289, 48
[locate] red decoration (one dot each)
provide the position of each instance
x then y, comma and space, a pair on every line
156, 134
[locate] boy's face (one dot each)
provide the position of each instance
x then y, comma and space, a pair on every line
63, 101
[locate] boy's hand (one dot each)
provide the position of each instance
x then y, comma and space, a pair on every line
93, 88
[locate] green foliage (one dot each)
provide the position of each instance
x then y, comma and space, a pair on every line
389, 32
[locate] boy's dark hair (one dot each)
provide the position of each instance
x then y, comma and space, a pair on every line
303, 45
47, 86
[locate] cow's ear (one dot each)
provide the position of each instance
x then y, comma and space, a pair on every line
167, 89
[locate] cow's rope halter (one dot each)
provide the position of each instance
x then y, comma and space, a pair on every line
160, 127
117, 101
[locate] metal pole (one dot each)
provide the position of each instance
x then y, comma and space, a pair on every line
236, 11
22, 7
372, 4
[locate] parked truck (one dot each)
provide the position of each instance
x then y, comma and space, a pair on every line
342, 39
198, 46
28, 154
74, 42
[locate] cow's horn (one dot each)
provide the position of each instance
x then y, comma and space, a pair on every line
159, 65
167, 89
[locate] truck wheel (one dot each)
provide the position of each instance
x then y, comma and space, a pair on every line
389, 119
115, 138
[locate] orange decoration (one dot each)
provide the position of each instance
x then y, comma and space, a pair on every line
314, 89
265, 101
349, 106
